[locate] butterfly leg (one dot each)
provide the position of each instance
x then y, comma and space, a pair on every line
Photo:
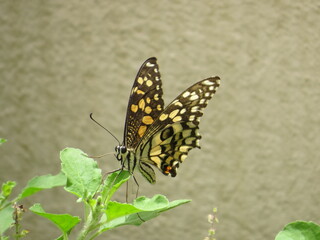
127, 187
135, 180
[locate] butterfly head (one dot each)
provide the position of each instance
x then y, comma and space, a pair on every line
121, 152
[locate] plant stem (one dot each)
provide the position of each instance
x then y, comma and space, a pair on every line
65, 236
90, 222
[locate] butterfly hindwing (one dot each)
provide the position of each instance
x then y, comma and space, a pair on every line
174, 133
145, 103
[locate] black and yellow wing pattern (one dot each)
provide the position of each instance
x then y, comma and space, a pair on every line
158, 136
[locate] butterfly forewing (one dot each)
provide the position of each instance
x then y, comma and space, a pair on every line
174, 133
145, 103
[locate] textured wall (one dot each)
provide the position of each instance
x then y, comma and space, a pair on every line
259, 162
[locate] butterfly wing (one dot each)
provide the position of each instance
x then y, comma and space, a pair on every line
145, 103
174, 133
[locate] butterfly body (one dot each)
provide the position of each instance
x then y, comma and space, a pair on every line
158, 136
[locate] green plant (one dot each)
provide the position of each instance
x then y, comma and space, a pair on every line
213, 220
81, 176
299, 230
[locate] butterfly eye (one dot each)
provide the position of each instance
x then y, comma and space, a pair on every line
123, 149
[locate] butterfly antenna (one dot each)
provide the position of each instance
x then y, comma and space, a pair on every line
100, 156
104, 128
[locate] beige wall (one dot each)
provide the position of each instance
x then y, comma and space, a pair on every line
259, 162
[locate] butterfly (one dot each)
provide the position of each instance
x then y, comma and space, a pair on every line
158, 136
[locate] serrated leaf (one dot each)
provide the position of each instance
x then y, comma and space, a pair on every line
299, 230
142, 210
113, 182
6, 218
83, 174
64, 222
42, 182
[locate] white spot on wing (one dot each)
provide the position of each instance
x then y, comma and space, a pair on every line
186, 94
207, 82
194, 97
149, 64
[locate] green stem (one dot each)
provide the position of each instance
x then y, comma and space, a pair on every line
95, 235
85, 230
65, 236
91, 219
16, 224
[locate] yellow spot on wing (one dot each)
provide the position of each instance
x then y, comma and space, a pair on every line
140, 92
147, 110
190, 140
142, 130
177, 119
184, 148
134, 108
142, 104
156, 160
183, 157
149, 83
186, 94
140, 80
163, 117
173, 113
177, 128
191, 117
155, 151
178, 104
194, 97
147, 120
134, 90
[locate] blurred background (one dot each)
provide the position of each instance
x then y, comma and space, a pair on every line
259, 161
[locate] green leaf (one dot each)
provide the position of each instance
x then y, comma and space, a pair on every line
157, 202
7, 188
142, 210
299, 230
116, 210
42, 182
113, 182
175, 203
83, 174
64, 222
2, 140
6, 218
